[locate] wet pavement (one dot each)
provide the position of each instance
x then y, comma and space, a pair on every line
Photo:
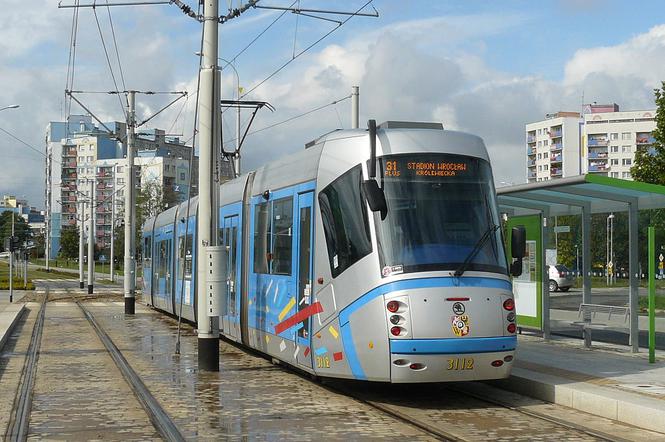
80, 394
249, 398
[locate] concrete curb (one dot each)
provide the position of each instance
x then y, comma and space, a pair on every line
8, 319
620, 405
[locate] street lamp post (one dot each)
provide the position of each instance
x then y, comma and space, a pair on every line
11, 253
609, 247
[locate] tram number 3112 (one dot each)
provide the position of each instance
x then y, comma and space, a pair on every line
323, 361
460, 364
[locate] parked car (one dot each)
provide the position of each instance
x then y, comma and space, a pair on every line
561, 278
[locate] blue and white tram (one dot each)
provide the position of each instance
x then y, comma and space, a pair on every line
400, 277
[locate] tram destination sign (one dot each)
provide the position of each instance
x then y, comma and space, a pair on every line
404, 166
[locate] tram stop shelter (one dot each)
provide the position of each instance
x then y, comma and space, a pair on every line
531, 204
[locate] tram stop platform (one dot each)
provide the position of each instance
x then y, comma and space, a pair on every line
606, 380
10, 313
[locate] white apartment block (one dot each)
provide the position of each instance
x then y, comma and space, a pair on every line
553, 147
611, 139
603, 140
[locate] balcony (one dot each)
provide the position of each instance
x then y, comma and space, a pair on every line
531, 151
556, 171
531, 163
598, 167
597, 154
556, 146
531, 139
555, 133
556, 158
600, 141
532, 174
643, 139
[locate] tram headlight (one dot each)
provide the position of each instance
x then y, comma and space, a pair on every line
395, 319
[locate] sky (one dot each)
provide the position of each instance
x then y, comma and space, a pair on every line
484, 67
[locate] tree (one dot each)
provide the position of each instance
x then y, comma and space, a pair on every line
69, 242
649, 165
21, 228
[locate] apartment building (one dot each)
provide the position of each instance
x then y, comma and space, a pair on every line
553, 147
81, 153
603, 140
612, 137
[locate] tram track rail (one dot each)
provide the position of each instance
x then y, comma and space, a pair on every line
160, 419
444, 435
19, 421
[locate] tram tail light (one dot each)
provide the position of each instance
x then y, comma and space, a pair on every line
497, 363
417, 366
396, 331
393, 306
511, 327
509, 304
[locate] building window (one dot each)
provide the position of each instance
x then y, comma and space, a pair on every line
182, 176
627, 161
545, 142
540, 143
615, 149
625, 135
546, 167
539, 131
118, 169
121, 181
625, 149
614, 174
614, 162
614, 136
626, 175
540, 168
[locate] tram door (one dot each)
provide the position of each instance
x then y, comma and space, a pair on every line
230, 240
305, 243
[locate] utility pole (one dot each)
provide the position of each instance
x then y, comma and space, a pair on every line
91, 238
129, 268
11, 264
355, 107
237, 155
112, 275
208, 327
47, 218
81, 240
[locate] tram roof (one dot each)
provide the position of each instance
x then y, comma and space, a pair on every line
567, 196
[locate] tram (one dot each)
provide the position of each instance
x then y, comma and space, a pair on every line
371, 254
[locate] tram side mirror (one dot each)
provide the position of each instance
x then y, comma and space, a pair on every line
516, 267
375, 197
518, 242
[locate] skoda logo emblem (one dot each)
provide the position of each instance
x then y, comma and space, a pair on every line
458, 308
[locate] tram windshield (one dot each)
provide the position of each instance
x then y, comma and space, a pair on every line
439, 207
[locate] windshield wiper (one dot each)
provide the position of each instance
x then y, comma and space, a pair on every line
481, 242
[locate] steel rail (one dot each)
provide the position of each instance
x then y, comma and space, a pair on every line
19, 423
158, 416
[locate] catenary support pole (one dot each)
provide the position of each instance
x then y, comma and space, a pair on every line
112, 257
355, 107
91, 238
130, 300
11, 264
237, 155
81, 240
47, 218
652, 295
207, 327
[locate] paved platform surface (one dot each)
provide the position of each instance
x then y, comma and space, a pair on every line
606, 380
10, 313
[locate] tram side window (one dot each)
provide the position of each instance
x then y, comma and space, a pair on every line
262, 243
282, 216
188, 255
147, 251
344, 218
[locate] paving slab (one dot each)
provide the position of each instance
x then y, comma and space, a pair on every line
606, 380
10, 313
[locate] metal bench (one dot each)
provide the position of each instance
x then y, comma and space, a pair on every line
589, 313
